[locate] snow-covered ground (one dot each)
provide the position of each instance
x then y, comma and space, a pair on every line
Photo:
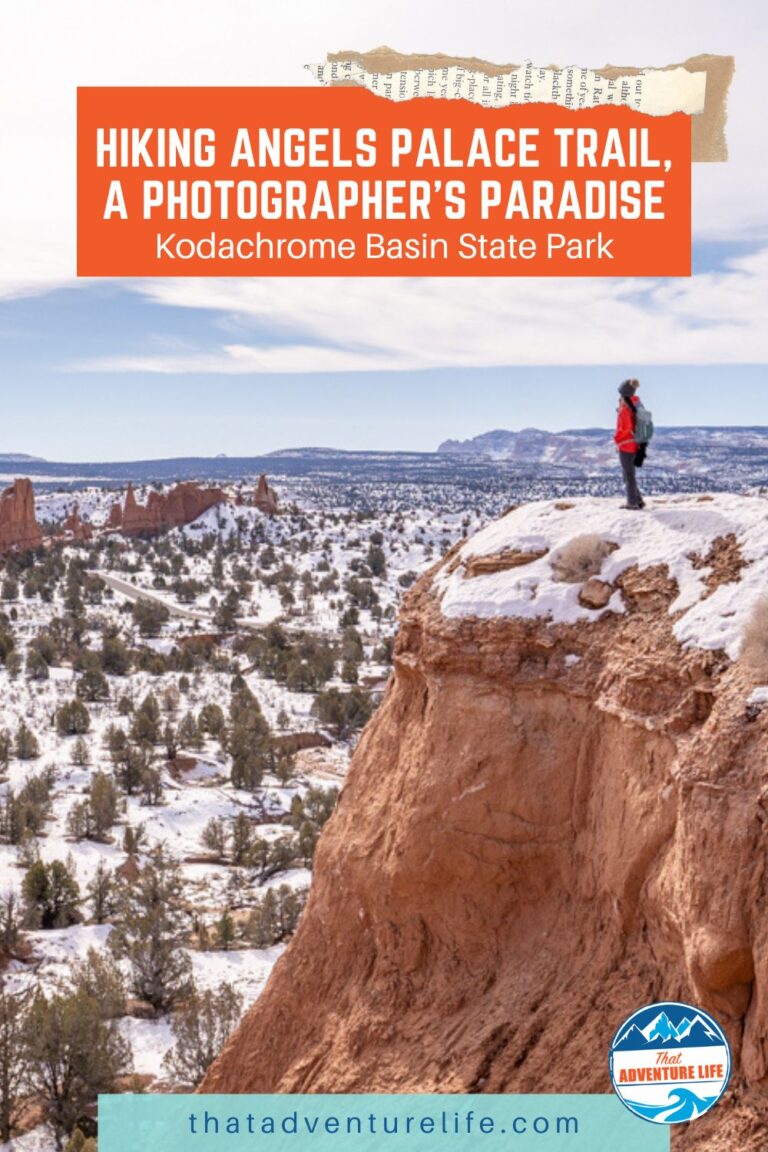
328, 573
677, 531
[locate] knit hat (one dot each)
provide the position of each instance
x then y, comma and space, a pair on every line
628, 389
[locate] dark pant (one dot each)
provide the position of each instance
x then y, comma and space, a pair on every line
634, 495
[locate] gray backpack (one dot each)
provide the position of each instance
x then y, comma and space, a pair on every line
644, 428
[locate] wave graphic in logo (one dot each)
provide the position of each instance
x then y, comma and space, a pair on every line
670, 1063
682, 1107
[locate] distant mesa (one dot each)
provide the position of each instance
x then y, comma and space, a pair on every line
591, 451
19, 528
20, 458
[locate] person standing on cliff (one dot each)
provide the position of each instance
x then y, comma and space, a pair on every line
627, 444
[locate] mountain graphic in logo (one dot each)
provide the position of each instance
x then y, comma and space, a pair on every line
661, 1032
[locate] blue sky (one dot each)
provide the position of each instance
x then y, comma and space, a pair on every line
111, 370
113, 419
107, 370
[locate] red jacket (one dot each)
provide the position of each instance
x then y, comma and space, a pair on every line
625, 428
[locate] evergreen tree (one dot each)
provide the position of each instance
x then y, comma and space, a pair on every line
100, 978
36, 667
215, 837
146, 721
75, 1054
80, 755
242, 839
102, 893
10, 925
248, 740
102, 795
201, 1028
25, 745
148, 934
93, 685
14, 1062
226, 932
72, 719
51, 895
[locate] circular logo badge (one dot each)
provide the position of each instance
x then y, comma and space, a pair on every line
670, 1063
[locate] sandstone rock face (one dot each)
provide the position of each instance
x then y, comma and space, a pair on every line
266, 498
19, 528
545, 827
183, 504
75, 527
115, 519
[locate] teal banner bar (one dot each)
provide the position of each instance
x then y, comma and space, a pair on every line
421, 1123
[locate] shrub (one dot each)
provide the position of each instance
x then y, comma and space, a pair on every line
149, 932
51, 896
26, 746
201, 1027
72, 719
754, 649
581, 558
75, 1055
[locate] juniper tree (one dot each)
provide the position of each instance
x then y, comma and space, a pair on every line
102, 893
51, 895
242, 839
6, 746
247, 740
10, 925
14, 1062
146, 721
201, 1028
25, 745
226, 932
75, 1054
100, 978
80, 755
102, 795
215, 837
72, 719
148, 933
92, 685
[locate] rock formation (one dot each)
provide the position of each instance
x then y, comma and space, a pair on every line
266, 497
18, 523
546, 826
115, 519
181, 505
75, 527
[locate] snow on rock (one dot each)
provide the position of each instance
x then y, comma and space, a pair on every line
672, 531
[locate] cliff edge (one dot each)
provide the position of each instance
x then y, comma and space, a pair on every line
556, 816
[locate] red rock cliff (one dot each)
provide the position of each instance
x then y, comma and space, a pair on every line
181, 505
545, 827
18, 523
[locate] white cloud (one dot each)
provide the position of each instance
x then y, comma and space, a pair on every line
341, 325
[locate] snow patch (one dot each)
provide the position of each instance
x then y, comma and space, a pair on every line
668, 533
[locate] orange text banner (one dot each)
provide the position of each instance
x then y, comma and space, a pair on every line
340, 182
